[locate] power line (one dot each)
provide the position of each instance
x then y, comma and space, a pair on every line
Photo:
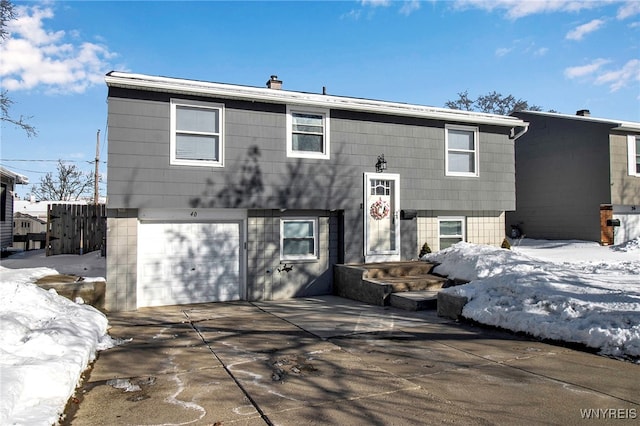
55, 161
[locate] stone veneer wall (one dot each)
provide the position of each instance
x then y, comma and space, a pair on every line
482, 227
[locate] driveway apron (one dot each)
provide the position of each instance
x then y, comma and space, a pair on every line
328, 360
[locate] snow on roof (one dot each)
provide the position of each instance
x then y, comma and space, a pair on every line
39, 208
182, 86
20, 179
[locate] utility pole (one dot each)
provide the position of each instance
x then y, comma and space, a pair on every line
96, 192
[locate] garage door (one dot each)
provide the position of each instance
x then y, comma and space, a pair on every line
181, 263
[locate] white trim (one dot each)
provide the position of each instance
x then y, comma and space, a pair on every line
632, 155
172, 133
325, 155
476, 150
191, 215
201, 88
316, 239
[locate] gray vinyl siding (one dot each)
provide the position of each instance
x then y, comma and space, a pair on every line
562, 178
140, 174
258, 175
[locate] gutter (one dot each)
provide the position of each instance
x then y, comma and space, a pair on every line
181, 86
524, 129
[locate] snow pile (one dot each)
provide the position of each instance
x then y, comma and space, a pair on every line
596, 302
46, 342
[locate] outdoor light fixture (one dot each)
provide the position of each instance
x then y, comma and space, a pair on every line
381, 165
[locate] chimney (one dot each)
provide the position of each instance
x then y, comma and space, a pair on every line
274, 83
583, 113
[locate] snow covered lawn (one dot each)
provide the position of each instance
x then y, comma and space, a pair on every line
572, 291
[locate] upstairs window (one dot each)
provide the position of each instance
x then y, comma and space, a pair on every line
197, 137
307, 133
461, 151
633, 152
299, 239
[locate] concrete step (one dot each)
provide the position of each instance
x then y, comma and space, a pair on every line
397, 269
415, 300
415, 282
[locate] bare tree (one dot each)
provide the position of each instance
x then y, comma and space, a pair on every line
7, 14
493, 103
70, 184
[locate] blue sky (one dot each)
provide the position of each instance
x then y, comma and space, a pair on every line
560, 55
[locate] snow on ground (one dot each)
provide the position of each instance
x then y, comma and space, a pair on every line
572, 291
46, 341
567, 290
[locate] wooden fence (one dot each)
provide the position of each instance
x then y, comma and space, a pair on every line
75, 228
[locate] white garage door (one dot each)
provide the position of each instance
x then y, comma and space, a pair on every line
181, 263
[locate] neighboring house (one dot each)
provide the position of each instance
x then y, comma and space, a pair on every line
577, 177
28, 231
224, 192
8, 181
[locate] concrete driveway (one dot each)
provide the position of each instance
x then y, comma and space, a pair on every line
328, 360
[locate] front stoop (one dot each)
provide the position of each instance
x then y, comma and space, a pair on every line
406, 285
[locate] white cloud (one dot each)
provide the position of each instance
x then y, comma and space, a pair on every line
34, 56
376, 3
585, 70
628, 9
617, 79
541, 51
502, 51
628, 74
515, 9
409, 7
580, 31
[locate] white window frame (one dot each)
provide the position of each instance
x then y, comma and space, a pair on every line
172, 143
460, 219
475, 151
326, 152
633, 155
316, 239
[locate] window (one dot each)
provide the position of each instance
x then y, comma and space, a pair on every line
299, 239
634, 155
450, 231
197, 133
462, 151
307, 133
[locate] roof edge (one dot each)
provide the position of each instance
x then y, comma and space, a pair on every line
175, 85
631, 126
20, 179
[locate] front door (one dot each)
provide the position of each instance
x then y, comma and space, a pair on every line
381, 217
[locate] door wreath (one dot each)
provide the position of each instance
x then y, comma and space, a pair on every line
379, 210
